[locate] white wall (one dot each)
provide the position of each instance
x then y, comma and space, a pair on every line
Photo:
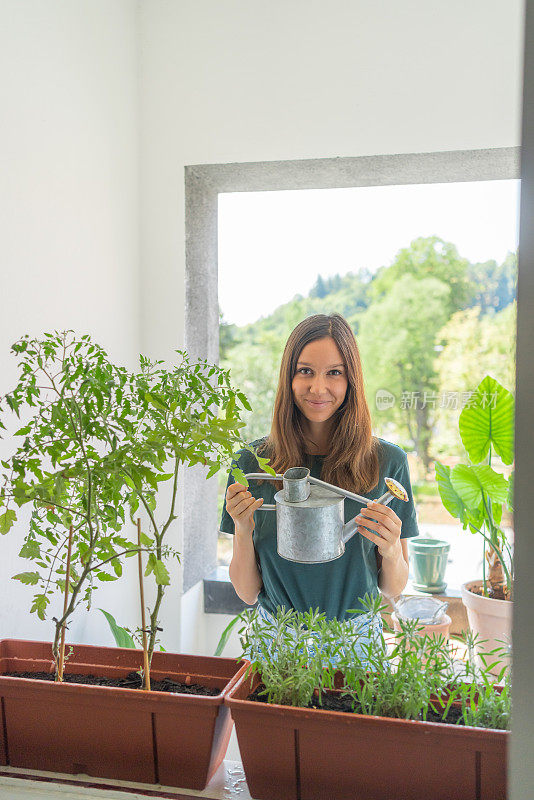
246, 80
68, 210
200, 632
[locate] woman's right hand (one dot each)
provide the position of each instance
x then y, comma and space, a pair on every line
241, 506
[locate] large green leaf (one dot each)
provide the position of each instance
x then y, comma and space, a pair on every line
496, 510
487, 420
121, 635
449, 496
469, 483
493, 483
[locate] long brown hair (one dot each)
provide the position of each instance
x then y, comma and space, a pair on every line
352, 462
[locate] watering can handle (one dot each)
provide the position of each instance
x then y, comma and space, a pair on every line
311, 479
385, 499
264, 477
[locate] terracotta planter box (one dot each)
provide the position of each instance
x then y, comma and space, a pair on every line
128, 734
293, 753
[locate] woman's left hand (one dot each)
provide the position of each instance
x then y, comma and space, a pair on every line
387, 524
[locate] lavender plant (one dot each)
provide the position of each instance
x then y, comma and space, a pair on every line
279, 650
484, 704
299, 654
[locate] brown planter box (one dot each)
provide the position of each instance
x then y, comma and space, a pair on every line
293, 753
128, 734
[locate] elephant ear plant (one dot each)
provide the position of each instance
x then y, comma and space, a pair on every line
97, 439
475, 493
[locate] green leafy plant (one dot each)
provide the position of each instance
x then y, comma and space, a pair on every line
301, 655
475, 493
280, 650
184, 416
485, 707
96, 440
485, 700
398, 682
68, 394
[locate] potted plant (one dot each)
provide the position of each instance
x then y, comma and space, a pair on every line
476, 494
315, 719
96, 442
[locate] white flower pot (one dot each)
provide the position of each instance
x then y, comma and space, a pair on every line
491, 619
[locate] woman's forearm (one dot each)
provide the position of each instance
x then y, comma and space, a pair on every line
393, 575
244, 573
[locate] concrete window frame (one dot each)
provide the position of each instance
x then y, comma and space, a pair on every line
203, 184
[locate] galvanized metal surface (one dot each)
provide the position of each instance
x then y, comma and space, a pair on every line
310, 517
310, 532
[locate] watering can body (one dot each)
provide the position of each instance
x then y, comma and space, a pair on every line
312, 531
310, 524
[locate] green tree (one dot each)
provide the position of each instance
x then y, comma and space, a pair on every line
255, 366
397, 340
429, 257
319, 289
496, 284
473, 345
228, 335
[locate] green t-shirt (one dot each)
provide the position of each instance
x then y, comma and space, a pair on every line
334, 586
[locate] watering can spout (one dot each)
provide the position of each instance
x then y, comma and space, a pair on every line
394, 489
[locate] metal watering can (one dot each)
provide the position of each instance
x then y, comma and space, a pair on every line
309, 515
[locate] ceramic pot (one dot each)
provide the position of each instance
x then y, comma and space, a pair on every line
428, 559
442, 627
491, 619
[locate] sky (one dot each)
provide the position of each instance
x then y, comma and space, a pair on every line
272, 245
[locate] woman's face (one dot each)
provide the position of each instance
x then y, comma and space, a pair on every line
320, 382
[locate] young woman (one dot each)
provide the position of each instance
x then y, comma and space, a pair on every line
321, 420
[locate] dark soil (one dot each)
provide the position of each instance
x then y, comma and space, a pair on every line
497, 592
131, 681
333, 701
454, 716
